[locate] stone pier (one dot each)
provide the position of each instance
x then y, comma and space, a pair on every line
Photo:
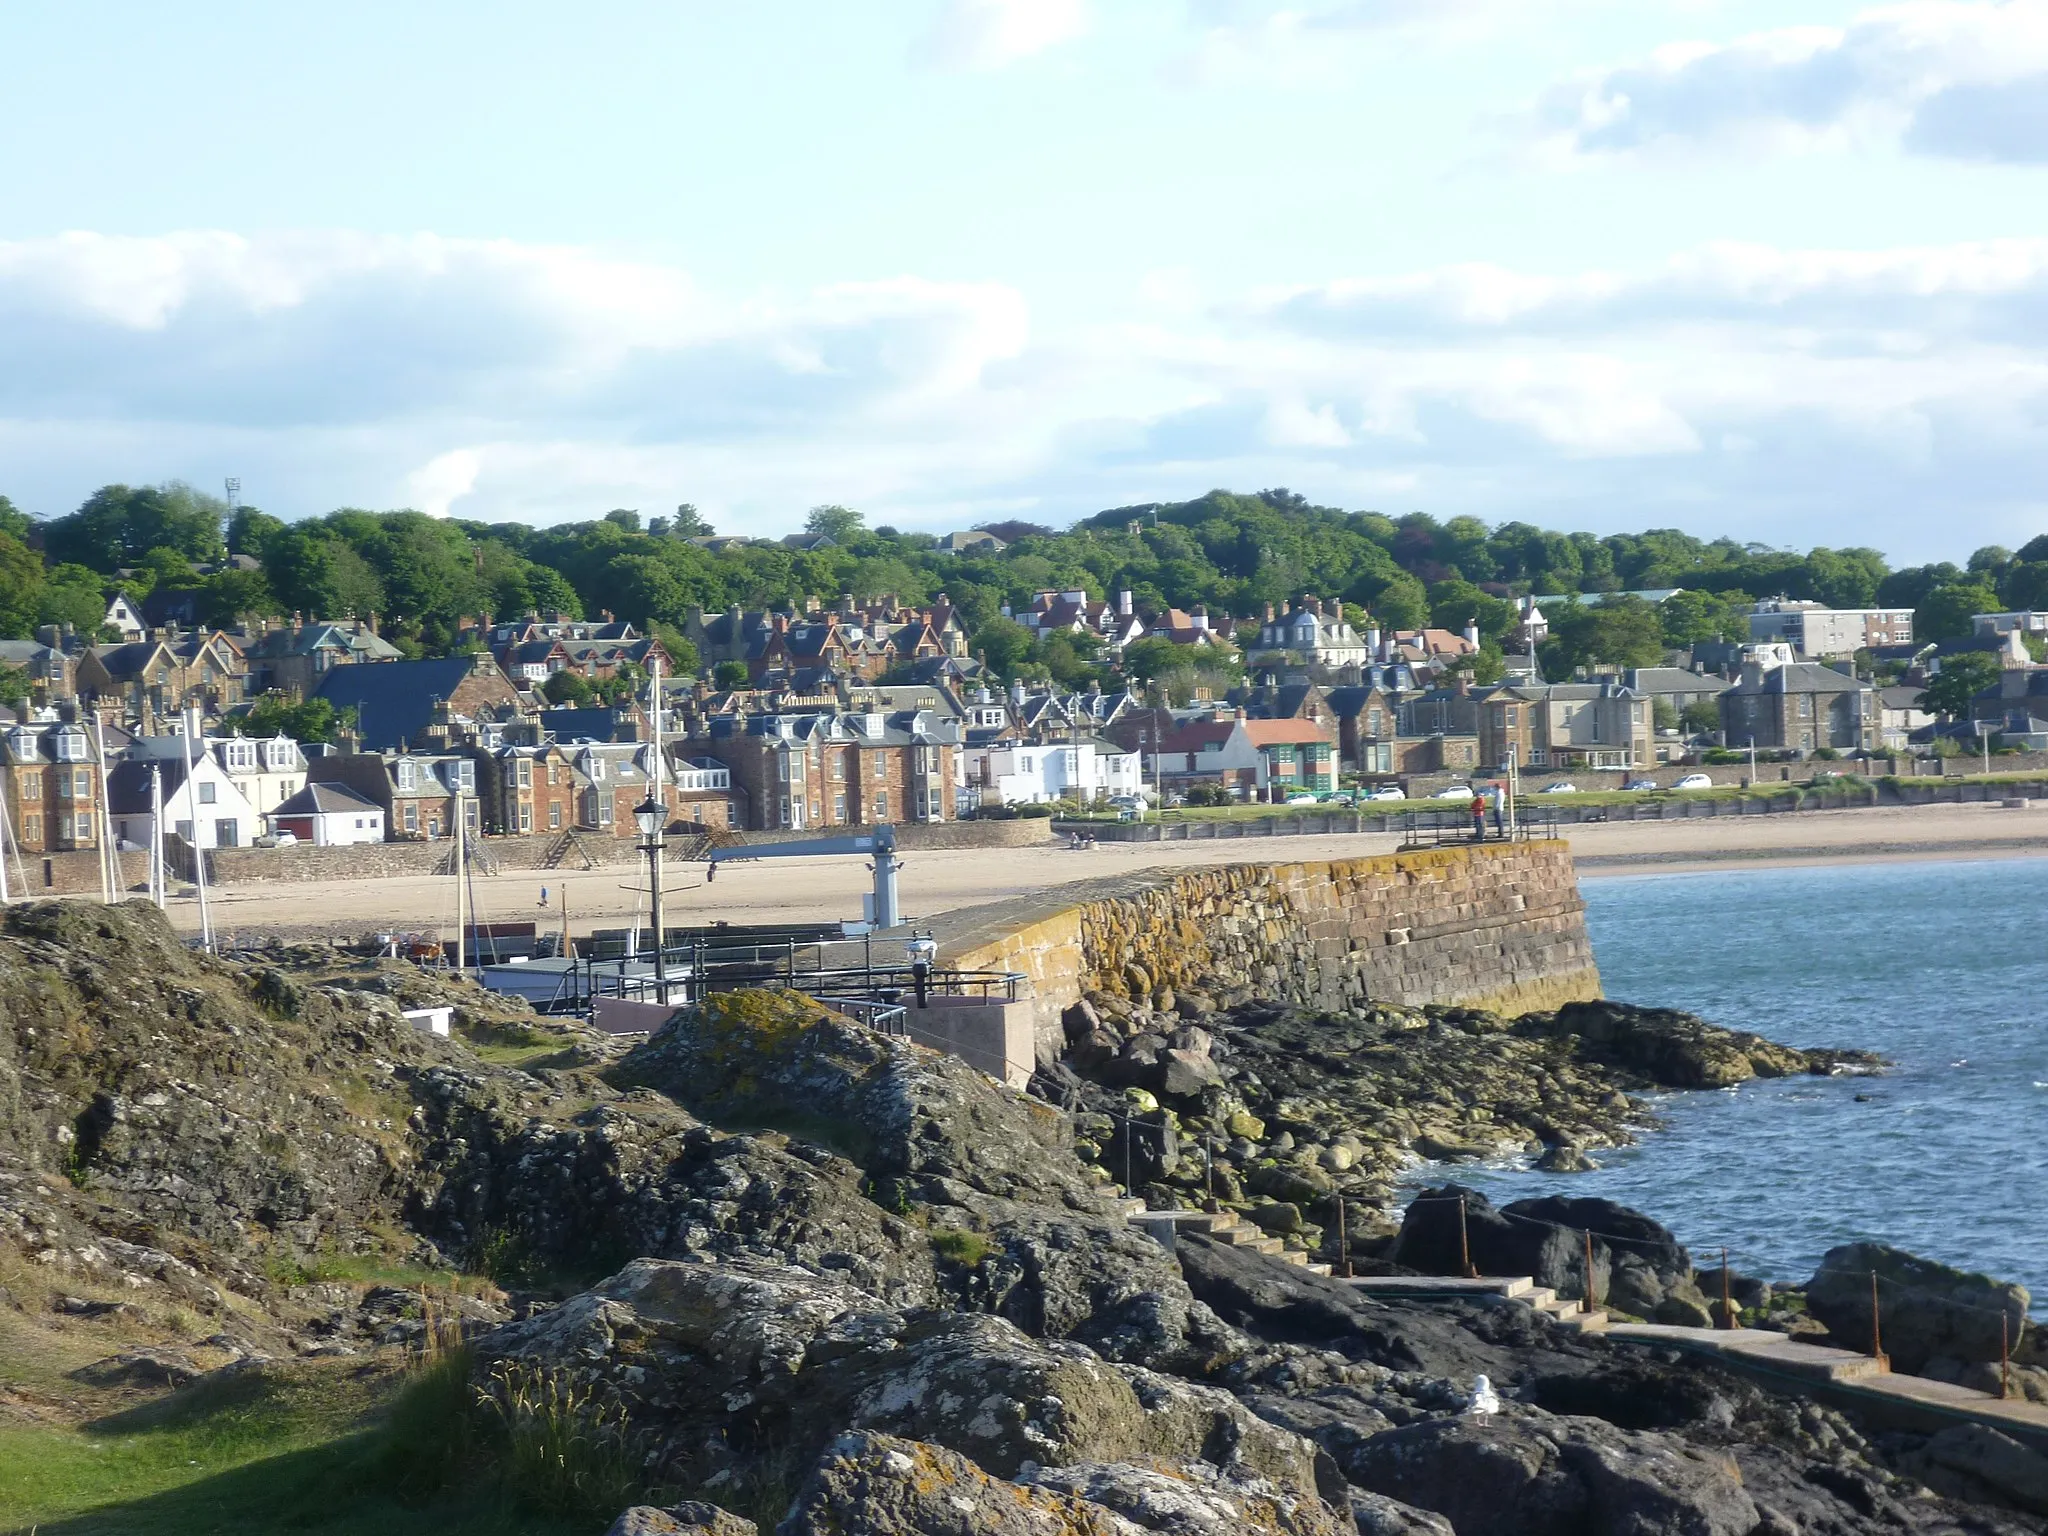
1491, 925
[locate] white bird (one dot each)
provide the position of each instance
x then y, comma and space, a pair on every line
1484, 1399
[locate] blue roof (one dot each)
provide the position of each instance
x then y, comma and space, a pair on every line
393, 700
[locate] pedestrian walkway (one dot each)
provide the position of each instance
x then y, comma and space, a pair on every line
1779, 1357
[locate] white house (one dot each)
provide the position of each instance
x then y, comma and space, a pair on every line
267, 771
1014, 773
329, 815
125, 618
201, 803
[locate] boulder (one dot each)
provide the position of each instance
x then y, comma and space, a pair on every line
1377, 1515
1542, 1238
2001, 1464
1925, 1309
1191, 1501
1535, 1475
681, 1520
1186, 1074
877, 1485
1677, 1050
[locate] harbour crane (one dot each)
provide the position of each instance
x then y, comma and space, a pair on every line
881, 843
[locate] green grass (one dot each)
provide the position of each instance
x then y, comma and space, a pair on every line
962, 1247
285, 1449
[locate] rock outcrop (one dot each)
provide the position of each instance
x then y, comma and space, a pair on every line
1926, 1311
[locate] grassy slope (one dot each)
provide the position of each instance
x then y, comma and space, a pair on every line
284, 1449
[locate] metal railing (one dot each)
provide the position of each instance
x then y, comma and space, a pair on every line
1447, 828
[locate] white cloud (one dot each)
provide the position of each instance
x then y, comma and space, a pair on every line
994, 34
1829, 396
444, 479
1965, 79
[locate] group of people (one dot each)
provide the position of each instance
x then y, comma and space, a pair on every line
1497, 794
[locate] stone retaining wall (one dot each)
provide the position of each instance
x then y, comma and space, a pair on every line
1496, 925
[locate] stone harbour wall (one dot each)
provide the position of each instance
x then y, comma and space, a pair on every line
1495, 925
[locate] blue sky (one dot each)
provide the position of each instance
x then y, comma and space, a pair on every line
1778, 271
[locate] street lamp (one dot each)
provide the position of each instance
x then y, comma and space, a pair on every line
652, 818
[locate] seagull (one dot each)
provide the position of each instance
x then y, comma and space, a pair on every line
1484, 1400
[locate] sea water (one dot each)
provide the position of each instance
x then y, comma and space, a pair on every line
1940, 967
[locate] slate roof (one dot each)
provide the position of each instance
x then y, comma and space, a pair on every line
325, 797
394, 701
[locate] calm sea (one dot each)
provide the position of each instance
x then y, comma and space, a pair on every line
1942, 967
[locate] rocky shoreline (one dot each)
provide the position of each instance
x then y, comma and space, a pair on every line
1279, 1111
773, 1269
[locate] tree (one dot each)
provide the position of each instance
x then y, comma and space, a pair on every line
1004, 644
1663, 715
72, 595
1700, 717
1946, 612
14, 683
1952, 692
689, 523
21, 589
624, 517
230, 595
1621, 631
303, 720
566, 687
249, 530
1691, 616
729, 675
837, 523
14, 522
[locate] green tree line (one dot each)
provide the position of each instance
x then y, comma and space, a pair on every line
1229, 552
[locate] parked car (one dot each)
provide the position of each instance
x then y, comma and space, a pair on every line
1640, 784
1453, 792
1301, 799
277, 840
1561, 787
1388, 792
1694, 781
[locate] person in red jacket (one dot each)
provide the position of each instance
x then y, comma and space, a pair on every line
1478, 818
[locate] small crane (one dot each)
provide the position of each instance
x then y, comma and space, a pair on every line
881, 842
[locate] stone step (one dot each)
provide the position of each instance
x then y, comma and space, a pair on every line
1595, 1321
1317, 1269
1272, 1247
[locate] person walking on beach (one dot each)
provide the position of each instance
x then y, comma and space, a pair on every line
1478, 818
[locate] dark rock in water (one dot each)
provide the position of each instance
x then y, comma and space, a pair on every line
1677, 1049
1925, 1309
1566, 1158
681, 1520
1510, 1476
1544, 1239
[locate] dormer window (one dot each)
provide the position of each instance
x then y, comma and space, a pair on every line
408, 775
70, 746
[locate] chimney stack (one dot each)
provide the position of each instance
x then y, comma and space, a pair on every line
1472, 634
1123, 604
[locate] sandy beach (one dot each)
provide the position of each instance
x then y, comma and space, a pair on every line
934, 882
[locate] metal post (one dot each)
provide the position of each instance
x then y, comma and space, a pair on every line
1130, 1133
1343, 1243
1465, 1244
1586, 1301
461, 883
654, 914
2004, 1354
1876, 1337
1727, 1292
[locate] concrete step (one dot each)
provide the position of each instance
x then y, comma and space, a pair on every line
1317, 1269
1272, 1247
1596, 1321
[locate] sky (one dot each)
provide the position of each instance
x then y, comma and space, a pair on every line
1777, 271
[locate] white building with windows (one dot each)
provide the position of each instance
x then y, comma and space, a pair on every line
201, 804
1015, 773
